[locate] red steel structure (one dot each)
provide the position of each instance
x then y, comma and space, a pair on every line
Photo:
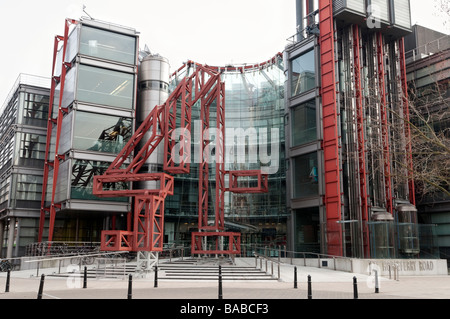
203, 86
145, 232
55, 80
332, 199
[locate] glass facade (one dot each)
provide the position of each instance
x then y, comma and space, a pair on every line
305, 180
33, 109
303, 124
28, 191
254, 129
105, 87
82, 180
30, 150
108, 45
303, 73
100, 132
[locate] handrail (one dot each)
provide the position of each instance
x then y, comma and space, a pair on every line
292, 254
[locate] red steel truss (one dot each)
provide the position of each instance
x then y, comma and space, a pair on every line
330, 129
384, 123
361, 141
203, 85
405, 102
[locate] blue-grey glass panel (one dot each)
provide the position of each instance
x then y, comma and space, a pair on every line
304, 123
106, 87
82, 181
303, 73
305, 181
33, 109
30, 150
26, 190
102, 133
108, 45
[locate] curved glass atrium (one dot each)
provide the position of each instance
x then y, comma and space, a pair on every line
254, 129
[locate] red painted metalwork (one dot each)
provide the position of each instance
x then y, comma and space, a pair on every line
384, 124
361, 141
61, 110
203, 85
262, 182
47, 163
218, 240
330, 129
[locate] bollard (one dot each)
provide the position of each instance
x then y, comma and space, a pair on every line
295, 277
376, 282
355, 288
85, 278
220, 283
130, 286
156, 277
41, 287
7, 280
309, 287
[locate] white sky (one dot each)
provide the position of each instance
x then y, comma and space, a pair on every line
206, 31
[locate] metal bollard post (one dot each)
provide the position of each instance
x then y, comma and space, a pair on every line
220, 283
309, 287
130, 286
85, 277
376, 282
41, 287
7, 280
156, 277
295, 278
355, 288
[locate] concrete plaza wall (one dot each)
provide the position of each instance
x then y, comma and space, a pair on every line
385, 267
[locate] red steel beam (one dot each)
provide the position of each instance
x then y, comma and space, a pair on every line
61, 110
262, 182
332, 197
231, 243
47, 163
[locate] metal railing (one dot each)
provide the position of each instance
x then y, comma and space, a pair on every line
428, 49
308, 259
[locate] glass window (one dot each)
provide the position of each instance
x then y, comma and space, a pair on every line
82, 181
108, 45
30, 150
34, 109
305, 182
26, 190
303, 73
304, 123
106, 87
102, 133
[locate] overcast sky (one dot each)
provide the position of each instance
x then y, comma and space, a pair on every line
206, 31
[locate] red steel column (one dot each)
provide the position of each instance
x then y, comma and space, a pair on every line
330, 129
61, 111
50, 121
